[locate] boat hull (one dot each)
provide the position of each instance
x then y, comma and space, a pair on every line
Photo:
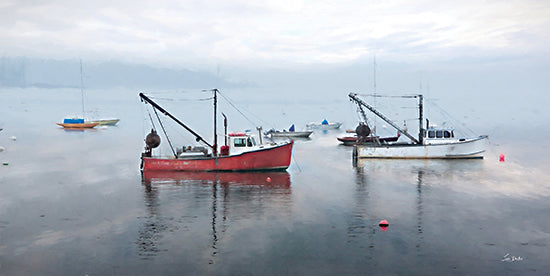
273, 158
78, 125
291, 134
467, 149
350, 141
105, 122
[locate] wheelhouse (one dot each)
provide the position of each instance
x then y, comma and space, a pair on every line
434, 135
239, 142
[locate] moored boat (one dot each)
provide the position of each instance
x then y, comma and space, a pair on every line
432, 142
324, 125
76, 123
241, 151
291, 133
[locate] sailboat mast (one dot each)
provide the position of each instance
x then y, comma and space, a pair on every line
82, 89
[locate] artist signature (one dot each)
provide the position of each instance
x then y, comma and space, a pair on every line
509, 258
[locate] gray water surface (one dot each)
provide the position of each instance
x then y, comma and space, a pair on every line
75, 203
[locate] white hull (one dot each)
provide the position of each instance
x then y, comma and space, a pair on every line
335, 125
291, 134
468, 148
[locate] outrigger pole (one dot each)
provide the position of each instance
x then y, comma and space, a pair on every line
354, 98
199, 138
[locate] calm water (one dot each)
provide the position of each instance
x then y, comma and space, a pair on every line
75, 203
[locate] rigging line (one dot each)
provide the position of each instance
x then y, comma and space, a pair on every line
296, 162
227, 99
180, 100
387, 96
444, 112
168, 139
152, 122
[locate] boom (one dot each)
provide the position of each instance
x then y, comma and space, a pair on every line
147, 100
354, 98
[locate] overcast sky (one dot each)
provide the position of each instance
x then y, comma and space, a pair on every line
280, 33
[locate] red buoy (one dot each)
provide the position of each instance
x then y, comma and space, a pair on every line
268, 179
501, 157
383, 225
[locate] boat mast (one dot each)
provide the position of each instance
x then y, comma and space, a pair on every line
215, 147
199, 138
420, 119
374, 72
360, 102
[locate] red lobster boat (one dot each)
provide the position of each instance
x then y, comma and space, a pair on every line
241, 151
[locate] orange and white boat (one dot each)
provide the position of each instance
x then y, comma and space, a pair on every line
76, 124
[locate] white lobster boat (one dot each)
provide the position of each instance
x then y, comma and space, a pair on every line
432, 142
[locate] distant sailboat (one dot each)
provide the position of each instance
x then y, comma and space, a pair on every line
78, 123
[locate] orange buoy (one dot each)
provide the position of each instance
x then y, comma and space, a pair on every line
501, 157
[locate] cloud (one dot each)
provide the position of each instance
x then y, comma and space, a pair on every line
279, 33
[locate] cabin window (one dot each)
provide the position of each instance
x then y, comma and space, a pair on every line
239, 142
249, 142
431, 134
253, 141
447, 134
439, 133
453, 134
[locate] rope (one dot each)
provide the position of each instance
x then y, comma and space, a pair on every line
229, 101
151, 118
455, 121
163, 130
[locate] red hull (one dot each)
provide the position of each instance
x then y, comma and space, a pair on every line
277, 158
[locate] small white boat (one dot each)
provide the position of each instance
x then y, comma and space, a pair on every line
432, 142
104, 122
291, 133
325, 125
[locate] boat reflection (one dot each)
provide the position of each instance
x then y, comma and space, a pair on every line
376, 179
184, 202
271, 179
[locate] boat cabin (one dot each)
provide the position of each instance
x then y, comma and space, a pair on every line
239, 142
435, 135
